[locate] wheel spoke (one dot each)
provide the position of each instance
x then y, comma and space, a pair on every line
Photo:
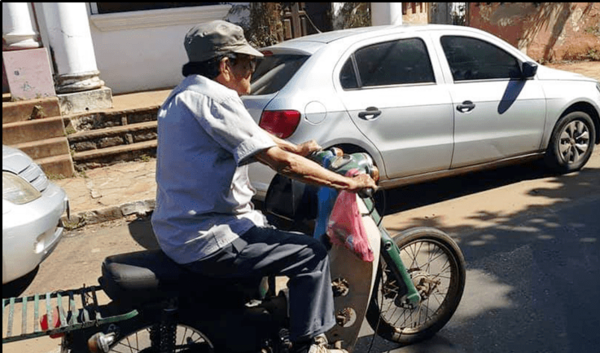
569, 130
569, 155
435, 267
437, 257
584, 136
575, 154
582, 147
133, 343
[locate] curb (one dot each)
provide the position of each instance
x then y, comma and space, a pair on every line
110, 213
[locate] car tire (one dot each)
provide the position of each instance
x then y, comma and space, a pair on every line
379, 198
571, 143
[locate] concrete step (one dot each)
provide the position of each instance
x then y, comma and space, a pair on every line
112, 155
33, 130
109, 119
114, 136
45, 148
57, 166
25, 110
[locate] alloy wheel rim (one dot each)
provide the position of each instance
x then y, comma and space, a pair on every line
574, 141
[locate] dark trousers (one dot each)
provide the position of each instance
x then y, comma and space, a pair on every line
264, 251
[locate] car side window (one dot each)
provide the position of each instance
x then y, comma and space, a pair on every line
404, 61
348, 76
475, 59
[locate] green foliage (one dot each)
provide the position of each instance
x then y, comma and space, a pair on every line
593, 54
74, 222
263, 27
262, 22
355, 14
593, 30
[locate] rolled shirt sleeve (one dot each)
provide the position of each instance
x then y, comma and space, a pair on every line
230, 124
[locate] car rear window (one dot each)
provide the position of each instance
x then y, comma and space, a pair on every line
273, 72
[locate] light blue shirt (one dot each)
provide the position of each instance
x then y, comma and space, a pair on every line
206, 137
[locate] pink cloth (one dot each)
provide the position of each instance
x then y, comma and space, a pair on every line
345, 226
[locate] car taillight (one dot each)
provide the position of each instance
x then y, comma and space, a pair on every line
281, 123
55, 323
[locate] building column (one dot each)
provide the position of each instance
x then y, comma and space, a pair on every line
76, 77
71, 47
17, 27
386, 13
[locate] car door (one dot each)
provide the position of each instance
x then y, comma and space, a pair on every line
389, 89
498, 114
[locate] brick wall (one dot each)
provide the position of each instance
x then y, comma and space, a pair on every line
545, 31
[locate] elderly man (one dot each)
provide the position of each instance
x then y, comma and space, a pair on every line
204, 218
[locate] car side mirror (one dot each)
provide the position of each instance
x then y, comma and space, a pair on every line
529, 69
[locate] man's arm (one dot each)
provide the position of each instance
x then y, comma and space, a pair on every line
302, 169
303, 149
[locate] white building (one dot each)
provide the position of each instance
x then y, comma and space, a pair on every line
120, 47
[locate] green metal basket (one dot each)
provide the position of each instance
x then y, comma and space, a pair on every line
77, 309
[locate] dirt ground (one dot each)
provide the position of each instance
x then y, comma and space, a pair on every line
586, 68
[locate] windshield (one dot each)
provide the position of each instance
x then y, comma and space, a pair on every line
275, 71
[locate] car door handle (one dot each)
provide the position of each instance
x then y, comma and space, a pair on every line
465, 107
370, 114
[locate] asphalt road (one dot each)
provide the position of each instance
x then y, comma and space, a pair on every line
531, 241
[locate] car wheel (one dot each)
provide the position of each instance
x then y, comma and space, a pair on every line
571, 143
379, 197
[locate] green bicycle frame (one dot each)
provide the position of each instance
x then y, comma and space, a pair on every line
391, 254
389, 250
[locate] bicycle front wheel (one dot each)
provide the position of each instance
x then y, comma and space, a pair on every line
436, 266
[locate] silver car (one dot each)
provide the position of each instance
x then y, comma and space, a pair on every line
423, 101
31, 210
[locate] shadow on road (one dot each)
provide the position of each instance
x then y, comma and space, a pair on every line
532, 273
18, 286
141, 231
418, 195
375, 344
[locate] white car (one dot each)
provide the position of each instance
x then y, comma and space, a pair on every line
31, 210
424, 102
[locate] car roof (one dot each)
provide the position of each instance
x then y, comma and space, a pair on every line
311, 43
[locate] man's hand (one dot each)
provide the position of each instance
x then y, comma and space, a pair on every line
362, 181
308, 147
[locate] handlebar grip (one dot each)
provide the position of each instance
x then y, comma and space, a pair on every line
313, 156
366, 193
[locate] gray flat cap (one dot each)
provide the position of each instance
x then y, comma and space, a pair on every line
208, 40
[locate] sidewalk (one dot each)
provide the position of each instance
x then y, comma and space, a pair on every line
119, 191
128, 190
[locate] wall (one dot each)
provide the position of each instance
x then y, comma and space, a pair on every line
546, 32
415, 12
143, 50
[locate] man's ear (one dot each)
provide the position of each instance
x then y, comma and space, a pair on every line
225, 69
